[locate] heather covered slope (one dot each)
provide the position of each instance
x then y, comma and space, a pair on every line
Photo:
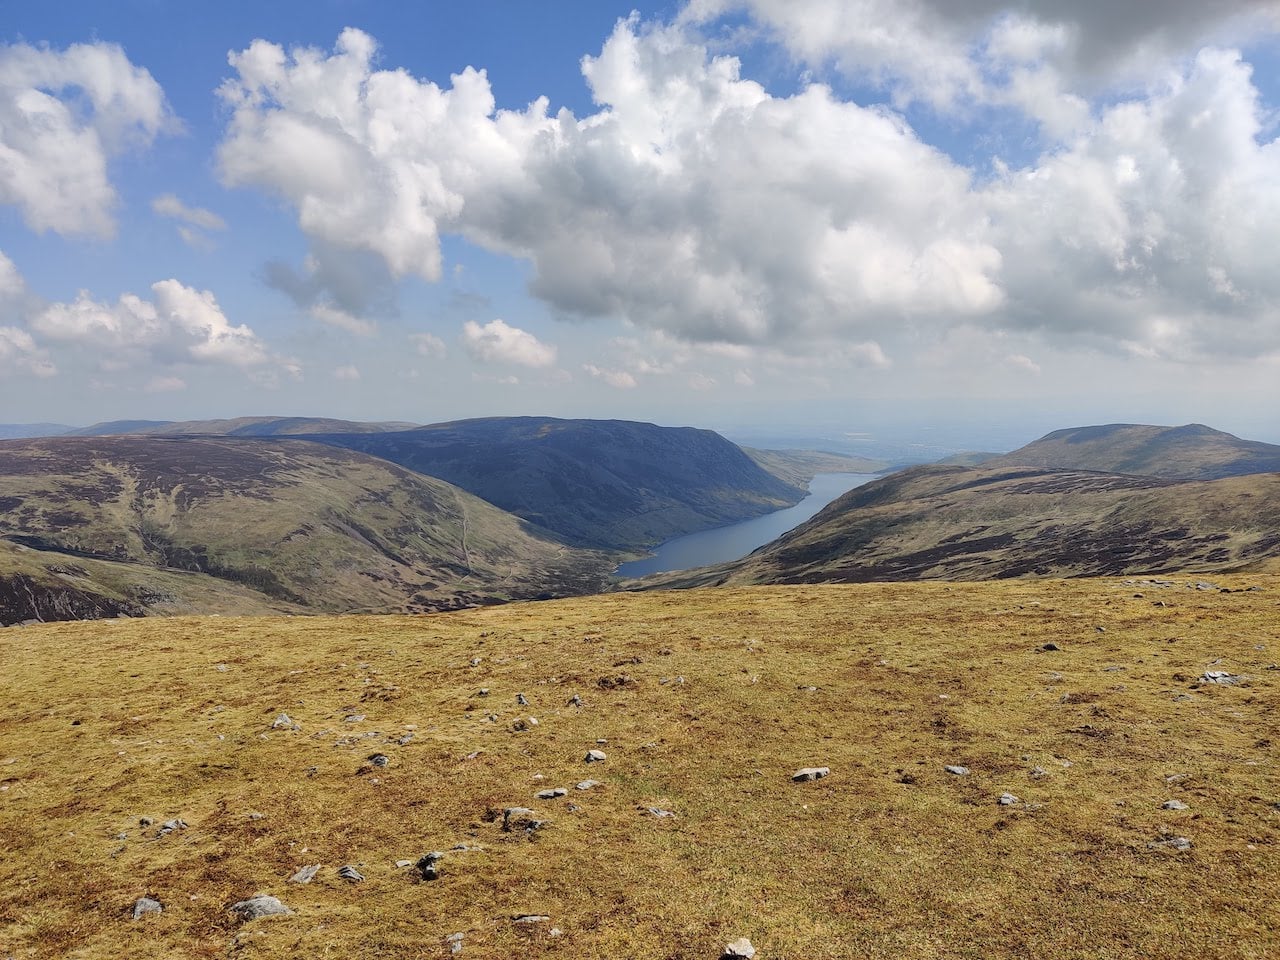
602, 483
708, 701
1189, 452
306, 525
958, 523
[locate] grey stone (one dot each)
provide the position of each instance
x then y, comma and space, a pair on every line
379, 759
1174, 805
1221, 677
740, 949
171, 825
145, 905
348, 872
306, 874
553, 794
285, 722
531, 918
586, 784
402, 741
1007, 800
1050, 646
353, 718
522, 700
596, 756
1181, 844
520, 818
956, 770
145, 822
1038, 772
455, 942
259, 906
660, 813
428, 865
574, 701
810, 773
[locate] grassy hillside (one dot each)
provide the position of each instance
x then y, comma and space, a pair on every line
601, 483
957, 523
1190, 452
798, 467
306, 525
237, 427
707, 702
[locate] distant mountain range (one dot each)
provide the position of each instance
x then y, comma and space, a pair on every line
1058, 507
236, 427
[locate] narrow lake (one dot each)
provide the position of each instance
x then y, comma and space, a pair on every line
739, 539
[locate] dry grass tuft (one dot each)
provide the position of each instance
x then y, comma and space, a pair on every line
889, 856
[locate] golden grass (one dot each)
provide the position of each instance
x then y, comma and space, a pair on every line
103, 723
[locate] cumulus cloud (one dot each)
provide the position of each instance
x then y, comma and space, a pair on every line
695, 204
192, 221
498, 342
19, 351
62, 115
428, 345
342, 320
614, 378
179, 325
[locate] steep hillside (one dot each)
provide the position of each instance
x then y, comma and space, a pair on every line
798, 467
298, 523
237, 427
602, 483
961, 523
1190, 452
1109, 800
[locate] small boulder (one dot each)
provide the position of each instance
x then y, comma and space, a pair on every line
586, 784
1181, 844
531, 918
348, 872
595, 756
260, 906
306, 874
1050, 647
810, 773
144, 905
740, 949
956, 770
428, 865
553, 794
1007, 800
379, 759
285, 722
1174, 805
1221, 677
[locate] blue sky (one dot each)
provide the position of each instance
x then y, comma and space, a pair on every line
808, 216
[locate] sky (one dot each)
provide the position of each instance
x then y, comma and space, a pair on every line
967, 221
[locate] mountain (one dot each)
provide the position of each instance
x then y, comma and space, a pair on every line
236, 427
405, 735
301, 525
957, 523
610, 484
1190, 452
18, 431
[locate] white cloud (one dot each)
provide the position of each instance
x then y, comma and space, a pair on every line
165, 384
168, 205
1020, 362
62, 114
614, 378
348, 373
179, 325
342, 320
498, 342
19, 351
428, 345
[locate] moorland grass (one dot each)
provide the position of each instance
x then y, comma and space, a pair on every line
890, 856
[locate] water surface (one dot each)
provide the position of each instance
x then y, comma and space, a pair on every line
738, 539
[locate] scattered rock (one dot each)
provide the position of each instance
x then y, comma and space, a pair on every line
553, 794
145, 822
1050, 646
348, 872
520, 818
455, 942
810, 773
285, 722
1220, 677
379, 759
1203, 585
522, 700
586, 784
1007, 800
1181, 844
171, 825
574, 701
306, 874
353, 718
740, 949
404, 740
427, 865
956, 770
1038, 773
595, 756
660, 813
1174, 805
144, 905
530, 918
260, 906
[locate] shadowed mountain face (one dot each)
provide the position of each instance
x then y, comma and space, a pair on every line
956, 523
221, 521
1190, 452
602, 483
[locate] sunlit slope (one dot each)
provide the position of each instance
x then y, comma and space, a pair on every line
308, 525
1189, 452
704, 703
960, 523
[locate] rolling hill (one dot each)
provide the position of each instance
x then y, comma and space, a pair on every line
300, 525
957, 523
236, 427
609, 484
985, 797
1189, 452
